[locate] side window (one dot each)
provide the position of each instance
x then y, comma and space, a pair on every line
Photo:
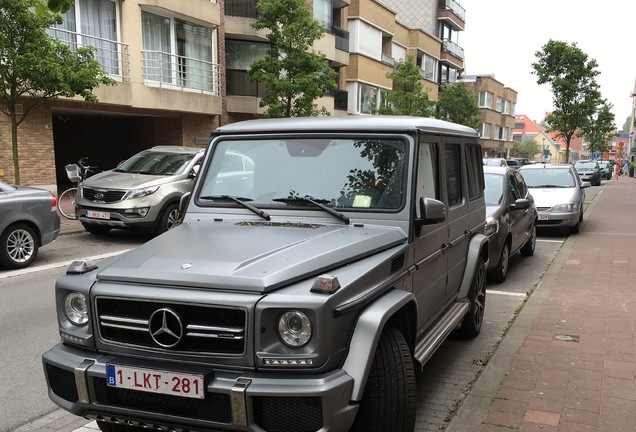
453, 165
427, 172
475, 171
513, 190
521, 185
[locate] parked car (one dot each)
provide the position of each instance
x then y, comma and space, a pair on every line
606, 169
559, 194
511, 218
495, 162
589, 170
305, 303
513, 163
523, 161
142, 193
28, 220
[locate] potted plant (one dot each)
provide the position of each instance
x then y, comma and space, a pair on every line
630, 167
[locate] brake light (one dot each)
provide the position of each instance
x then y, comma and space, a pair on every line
54, 200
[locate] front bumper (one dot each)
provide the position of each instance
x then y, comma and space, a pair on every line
558, 219
234, 400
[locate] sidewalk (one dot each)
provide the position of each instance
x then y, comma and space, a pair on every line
568, 362
68, 226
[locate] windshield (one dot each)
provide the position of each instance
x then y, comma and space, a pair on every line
548, 177
345, 173
585, 164
493, 192
155, 163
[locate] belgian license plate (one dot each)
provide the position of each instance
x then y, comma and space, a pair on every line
543, 217
97, 214
155, 381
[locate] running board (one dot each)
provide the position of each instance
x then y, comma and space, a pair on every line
434, 338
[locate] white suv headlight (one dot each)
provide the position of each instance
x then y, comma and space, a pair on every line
139, 193
294, 328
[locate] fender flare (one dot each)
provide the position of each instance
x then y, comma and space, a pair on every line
366, 335
478, 249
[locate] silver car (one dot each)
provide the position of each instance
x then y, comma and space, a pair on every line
28, 220
142, 193
511, 218
558, 194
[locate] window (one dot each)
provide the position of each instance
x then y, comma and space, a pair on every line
486, 130
367, 98
365, 39
94, 23
323, 13
506, 107
499, 104
501, 133
177, 52
453, 165
239, 55
398, 52
427, 175
475, 170
429, 66
485, 100
241, 8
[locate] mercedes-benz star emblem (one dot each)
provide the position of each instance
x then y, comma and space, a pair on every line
165, 327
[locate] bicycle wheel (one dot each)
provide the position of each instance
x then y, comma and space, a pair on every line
66, 203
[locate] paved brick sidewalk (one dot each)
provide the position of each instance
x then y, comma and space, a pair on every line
568, 362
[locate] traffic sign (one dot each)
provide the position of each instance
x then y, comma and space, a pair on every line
613, 152
621, 143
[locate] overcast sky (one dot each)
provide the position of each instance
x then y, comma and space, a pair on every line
502, 36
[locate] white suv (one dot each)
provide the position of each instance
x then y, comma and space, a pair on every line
143, 192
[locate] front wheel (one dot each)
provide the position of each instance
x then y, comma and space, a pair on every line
19, 246
471, 325
66, 203
169, 219
500, 272
388, 402
528, 248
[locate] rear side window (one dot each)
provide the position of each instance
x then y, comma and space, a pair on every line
453, 165
475, 171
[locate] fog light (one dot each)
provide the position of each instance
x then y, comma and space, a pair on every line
137, 211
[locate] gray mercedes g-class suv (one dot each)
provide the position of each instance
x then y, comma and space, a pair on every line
296, 296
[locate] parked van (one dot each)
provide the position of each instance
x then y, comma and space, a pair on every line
298, 299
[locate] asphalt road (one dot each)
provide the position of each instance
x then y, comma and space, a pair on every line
28, 328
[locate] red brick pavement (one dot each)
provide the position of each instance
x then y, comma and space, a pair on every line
575, 365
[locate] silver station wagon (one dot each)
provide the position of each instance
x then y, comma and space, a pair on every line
295, 294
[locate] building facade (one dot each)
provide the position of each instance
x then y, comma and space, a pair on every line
181, 70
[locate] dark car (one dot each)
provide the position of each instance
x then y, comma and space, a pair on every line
606, 169
589, 170
511, 218
28, 220
513, 163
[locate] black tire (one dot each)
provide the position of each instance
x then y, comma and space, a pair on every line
115, 427
471, 325
389, 400
577, 228
19, 246
499, 273
96, 229
169, 219
528, 248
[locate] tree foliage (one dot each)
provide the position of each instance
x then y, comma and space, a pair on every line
525, 149
36, 67
293, 74
600, 130
408, 96
60, 6
457, 104
572, 77
627, 124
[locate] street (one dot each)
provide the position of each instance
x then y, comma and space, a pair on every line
27, 313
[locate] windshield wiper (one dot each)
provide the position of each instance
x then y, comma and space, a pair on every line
238, 200
549, 186
316, 202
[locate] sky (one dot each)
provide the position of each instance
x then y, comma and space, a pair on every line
501, 38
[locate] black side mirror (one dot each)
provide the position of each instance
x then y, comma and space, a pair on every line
432, 212
183, 204
520, 204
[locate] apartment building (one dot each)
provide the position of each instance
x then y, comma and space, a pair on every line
497, 104
181, 70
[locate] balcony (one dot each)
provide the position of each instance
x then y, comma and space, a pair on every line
342, 38
457, 52
238, 84
112, 56
161, 69
453, 13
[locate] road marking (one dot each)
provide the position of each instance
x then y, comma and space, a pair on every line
550, 241
512, 294
28, 270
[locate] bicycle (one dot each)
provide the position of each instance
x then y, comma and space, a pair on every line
76, 173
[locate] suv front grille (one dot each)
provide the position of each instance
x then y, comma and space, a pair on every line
102, 195
190, 328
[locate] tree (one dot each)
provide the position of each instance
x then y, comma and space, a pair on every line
36, 67
457, 104
628, 122
525, 149
575, 92
408, 96
293, 74
60, 6
600, 130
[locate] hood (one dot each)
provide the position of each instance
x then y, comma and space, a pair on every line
255, 257
124, 181
549, 197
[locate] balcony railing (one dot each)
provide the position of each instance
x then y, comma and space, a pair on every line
342, 38
453, 48
169, 70
454, 7
111, 55
238, 84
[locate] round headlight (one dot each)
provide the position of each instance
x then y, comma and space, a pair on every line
75, 308
294, 328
